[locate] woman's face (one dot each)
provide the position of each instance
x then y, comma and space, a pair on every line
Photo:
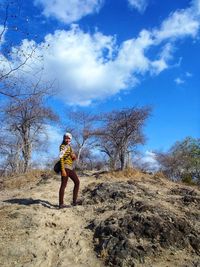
67, 139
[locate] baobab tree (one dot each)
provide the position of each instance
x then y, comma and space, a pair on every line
25, 118
121, 132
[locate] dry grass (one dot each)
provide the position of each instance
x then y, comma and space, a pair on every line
159, 175
18, 181
129, 173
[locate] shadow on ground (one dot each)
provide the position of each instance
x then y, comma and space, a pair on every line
30, 201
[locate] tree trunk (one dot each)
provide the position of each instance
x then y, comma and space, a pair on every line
112, 163
26, 152
122, 161
78, 156
128, 160
123, 157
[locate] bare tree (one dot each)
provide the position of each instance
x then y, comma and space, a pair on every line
26, 119
121, 132
81, 126
10, 150
22, 94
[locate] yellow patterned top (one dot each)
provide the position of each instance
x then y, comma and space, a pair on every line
66, 159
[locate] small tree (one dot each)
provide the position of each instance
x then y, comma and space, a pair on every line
182, 161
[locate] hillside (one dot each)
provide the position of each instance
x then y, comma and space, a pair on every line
126, 219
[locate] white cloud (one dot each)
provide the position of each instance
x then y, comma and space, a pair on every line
52, 137
147, 161
69, 11
91, 67
188, 74
165, 56
140, 5
196, 7
54, 134
166, 53
26, 53
158, 66
150, 157
179, 81
179, 24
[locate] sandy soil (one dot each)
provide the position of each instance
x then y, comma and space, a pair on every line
34, 232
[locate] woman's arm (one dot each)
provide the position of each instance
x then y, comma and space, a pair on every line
72, 154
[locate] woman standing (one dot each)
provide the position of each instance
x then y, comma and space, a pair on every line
67, 157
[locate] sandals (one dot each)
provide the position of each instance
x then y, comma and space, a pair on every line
78, 202
62, 206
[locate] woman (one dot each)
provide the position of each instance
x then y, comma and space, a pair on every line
66, 159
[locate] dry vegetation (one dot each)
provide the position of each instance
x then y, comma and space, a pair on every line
19, 181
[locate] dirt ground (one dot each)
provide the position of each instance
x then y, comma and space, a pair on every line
35, 233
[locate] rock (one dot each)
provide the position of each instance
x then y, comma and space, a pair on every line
137, 229
188, 199
183, 191
109, 192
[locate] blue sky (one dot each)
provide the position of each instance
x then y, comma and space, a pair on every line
112, 54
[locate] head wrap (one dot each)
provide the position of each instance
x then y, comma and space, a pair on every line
68, 135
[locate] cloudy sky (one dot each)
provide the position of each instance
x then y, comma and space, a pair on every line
112, 54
